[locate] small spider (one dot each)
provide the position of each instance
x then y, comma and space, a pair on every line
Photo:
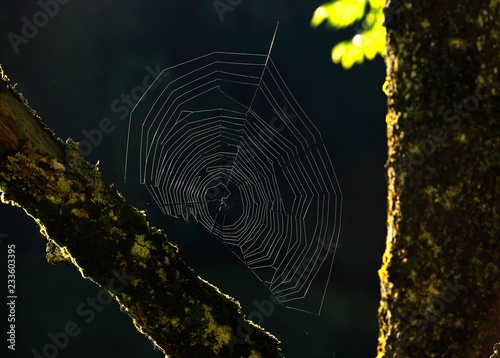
224, 203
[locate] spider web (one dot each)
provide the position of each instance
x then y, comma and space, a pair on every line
226, 143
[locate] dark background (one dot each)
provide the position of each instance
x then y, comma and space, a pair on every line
89, 53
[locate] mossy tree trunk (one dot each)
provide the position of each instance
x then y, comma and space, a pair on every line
90, 225
440, 278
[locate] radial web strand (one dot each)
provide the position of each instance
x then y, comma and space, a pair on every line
223, 141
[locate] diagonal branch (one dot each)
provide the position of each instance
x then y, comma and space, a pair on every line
88, 223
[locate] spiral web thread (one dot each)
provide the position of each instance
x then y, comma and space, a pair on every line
226, 143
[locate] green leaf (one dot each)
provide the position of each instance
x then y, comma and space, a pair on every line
340, 13
367, 43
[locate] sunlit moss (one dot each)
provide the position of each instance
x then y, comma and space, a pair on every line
75, 197
80, 213
254, 354
221, 334
141, 250
161, 274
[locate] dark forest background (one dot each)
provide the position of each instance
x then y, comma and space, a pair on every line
91, 52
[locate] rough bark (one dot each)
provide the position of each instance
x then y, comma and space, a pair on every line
440, 278
89, 224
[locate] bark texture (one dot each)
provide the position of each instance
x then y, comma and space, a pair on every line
89, 224
440, 279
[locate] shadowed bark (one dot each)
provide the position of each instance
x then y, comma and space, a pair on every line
440, 278
90, 225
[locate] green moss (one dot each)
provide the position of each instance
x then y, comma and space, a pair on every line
108, 235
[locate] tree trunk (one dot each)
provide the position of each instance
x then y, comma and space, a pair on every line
440, 278
89, 224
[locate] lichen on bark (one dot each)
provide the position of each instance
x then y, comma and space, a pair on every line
89, 224
440, 279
